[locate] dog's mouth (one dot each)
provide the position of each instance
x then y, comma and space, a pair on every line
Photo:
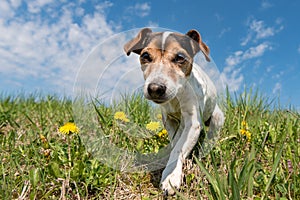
161, 100
158, 101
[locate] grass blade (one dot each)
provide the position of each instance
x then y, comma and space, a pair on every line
214, 186
274, 167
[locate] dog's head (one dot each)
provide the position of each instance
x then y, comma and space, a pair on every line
166, 59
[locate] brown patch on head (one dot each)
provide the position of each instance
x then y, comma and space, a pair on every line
151, 55
198, 44
178, 54
138, 43
175, 51
153, 49
191, 41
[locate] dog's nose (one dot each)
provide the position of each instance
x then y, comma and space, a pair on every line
156, 90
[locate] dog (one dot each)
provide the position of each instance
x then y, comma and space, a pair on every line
187, 96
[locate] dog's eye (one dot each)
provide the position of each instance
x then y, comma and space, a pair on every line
180, 58
145, 57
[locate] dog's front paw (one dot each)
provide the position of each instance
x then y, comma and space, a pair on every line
170, 183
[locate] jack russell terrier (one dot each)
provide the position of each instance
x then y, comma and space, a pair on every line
186, 94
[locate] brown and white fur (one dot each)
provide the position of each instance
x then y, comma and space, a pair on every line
185, 93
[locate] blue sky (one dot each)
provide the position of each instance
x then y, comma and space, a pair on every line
254, 43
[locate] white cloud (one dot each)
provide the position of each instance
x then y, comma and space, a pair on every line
232, 72
258, 33
277, 88
108, 71
103, 6
299, 49
252, 52
232, 78
48, 50
256, 51
261, 30
34, 48
219, 17
278, 75
5, 10
139, 9
266, 4
234, 59
257, 30
270, 68
35, 6
15, 3
223, 31
152, 24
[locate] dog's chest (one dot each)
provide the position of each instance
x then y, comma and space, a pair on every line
172, 108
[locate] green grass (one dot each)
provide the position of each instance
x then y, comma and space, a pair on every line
38, 162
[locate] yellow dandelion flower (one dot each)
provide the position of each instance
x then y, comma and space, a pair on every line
69, 128
248, 135
244, 124
162, 133
243, 131
121, 116
153, 126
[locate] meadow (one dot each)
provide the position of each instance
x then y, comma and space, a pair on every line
42, 157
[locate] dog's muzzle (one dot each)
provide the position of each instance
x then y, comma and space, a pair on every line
156, 92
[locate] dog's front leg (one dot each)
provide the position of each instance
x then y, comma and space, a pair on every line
172, 174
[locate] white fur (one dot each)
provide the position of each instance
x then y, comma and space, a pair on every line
196, 98
164, 38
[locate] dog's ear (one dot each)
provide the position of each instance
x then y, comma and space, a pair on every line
137, 44
195, 35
